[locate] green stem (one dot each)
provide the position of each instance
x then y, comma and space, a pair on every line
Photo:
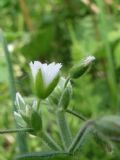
21, 137
76, 115
67, 80
79, 137
50, 142
46, 137
16, 130
38, 104
64, 130
110, 66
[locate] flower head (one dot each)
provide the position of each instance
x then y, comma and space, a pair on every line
45, 77
88, 60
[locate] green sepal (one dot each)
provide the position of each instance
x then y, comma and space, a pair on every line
39, 86
20, 106
36, 122
27, 120
41, 90
78, 70
51, 86
19, 120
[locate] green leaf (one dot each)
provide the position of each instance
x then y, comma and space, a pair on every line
45, 156
103, 141
109, 125
85, 131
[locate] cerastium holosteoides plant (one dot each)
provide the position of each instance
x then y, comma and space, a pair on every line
56, 91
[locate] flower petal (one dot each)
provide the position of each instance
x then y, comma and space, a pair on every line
35, 67
50, 72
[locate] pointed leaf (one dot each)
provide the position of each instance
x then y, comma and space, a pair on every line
45, 156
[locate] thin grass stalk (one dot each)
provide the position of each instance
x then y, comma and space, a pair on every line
111, 77
21, 137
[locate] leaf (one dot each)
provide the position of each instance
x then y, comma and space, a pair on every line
103, 141
109, 125
84, 136
45, 156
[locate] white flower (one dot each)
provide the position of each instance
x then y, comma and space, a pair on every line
49, 71
45, 77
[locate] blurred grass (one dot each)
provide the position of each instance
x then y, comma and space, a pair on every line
111, 76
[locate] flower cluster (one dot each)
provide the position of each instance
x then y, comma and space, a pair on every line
46, 84
27, 115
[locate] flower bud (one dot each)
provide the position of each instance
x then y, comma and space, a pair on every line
45, 78
20, 121
26, 115
82, 67
19, 102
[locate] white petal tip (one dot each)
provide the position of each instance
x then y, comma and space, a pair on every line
19, 99
89, 59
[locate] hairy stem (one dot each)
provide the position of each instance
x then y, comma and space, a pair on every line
50, 142
79, 137
16, 130
64, 129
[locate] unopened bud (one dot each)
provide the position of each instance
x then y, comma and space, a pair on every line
79, 69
